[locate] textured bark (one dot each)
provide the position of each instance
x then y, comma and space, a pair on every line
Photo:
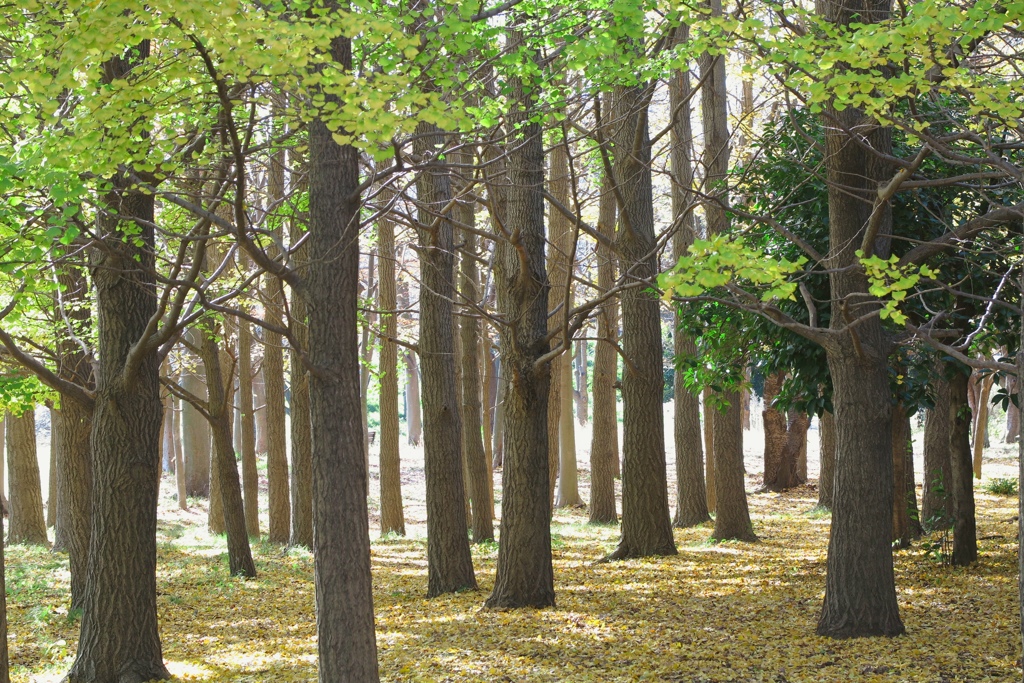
51, 480
901, 446
827, 468
646, 524
119, 639
525, 577
220, 413
74, 483
604, 444
413, 413
5, 669
449, 563
27, 522
965, 535
554, 416
980, 440
341, 537
709, 448
250, 478
301, 483
785, 436
478, 481
215, 511
732, 518
392, 516
195, 430
691, 495
937, 498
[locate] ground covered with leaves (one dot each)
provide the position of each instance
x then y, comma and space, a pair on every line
716, 612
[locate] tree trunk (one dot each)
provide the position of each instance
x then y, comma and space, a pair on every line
392, 516
525, 577
300, 490
568, 494
490, 394
732, 518
119, 639
413, 419
709, 449
341, 536
259, 412
5, 667
646, 523
195, 429
221, 413
27, 522
937, 498
902, 458
449, 563
784, 436
582, 404
366, 353
3, 434
981, 422
604, 444
827, 467
691, 495
51, 480
250, 477
965, 538
478, 481
1012, 413
179, 458
499, 419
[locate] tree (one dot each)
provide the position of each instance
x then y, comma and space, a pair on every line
28, 525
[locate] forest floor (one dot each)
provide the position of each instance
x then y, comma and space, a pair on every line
716, 612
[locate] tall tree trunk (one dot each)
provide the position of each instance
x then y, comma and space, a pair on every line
525, 577
221, 413
250, 477
27, 522
709, 449
301, 488
5, 666
195, 430
367, 353
490, 394
646, 523
259, 391
3, 436
568, 494
965, 538
179, 458
732, 518
119, 639
499, 418
413, 418
937, 498
341, 536
581, 394
392, 516
827, 463
901, 443
51, 480
604, 444
478, 481
691, 495
981, 422
449, 563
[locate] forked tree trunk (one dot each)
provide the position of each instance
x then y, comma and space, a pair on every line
646, 523
392, 516
827, 462
732, 518
346, 641
27, 522
250, 476
965, 538
937, 500
119, 639
478, 481
691, 494
449, 563
525, 576
220, 414
604, 443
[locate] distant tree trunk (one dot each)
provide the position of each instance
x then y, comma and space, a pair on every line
51, 480
341, 545
301, 483
901, 534
220, 412
250, 477
449, 563
691, 495
1012, 413
965, 539
785, 439
259, 391
827, 467
646, 523
478, 482
709, 449
5, 667
413, 420
937, 496
732, 518
568, 494
604, 444
910, 489
499, 419
167, 428
27, 523
392, 516
582, 402
366, 352
179, 458
981, 422
525, 577
490, 393
195, 431
3, 437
